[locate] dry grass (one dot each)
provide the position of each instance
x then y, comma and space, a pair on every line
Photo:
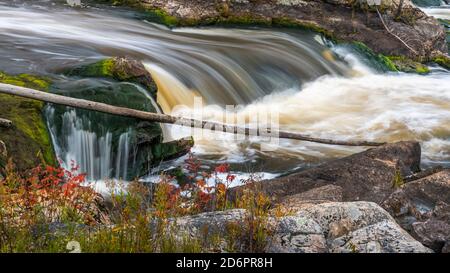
45, 209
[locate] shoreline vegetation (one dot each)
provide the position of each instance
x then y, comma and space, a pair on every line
47, 208
378, 200
50, 207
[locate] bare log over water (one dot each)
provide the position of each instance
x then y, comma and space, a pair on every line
162, 118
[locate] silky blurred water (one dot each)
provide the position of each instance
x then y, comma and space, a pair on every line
330, 93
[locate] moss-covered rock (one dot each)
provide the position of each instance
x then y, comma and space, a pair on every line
160, 16
378, 61
120, 69
388, 63
443, 61
173, 149
407, 65
146, 137
27, 141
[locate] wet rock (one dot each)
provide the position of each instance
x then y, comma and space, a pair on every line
408, 65
366, 176
146, 137
27, 140
342, 227
119, 68
343, 20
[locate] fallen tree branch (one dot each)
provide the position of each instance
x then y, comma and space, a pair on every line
163, 118
393, 34
5, 123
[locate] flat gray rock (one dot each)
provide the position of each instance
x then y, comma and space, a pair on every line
342, 227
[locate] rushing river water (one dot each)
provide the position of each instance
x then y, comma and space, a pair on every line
332, 94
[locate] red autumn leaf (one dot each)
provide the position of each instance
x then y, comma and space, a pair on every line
231, 177
223, 168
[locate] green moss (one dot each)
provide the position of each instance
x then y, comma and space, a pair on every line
130, 3
103, 68
397, 181
162, 151
246, 19
28, 141
405, 64
422, 69
287, 22
383, 62
443, 61
106, 68
165, 18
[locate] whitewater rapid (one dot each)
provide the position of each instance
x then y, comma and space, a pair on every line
371, 106
330, 93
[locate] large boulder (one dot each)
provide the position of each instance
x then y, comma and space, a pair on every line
321, 228
366, 176
128, 84
361, 227
343, 20
423, 208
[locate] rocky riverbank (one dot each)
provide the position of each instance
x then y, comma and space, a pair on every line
377, 201
28, 142
359, 203
386, 29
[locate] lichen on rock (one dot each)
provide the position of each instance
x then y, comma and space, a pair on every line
361, 227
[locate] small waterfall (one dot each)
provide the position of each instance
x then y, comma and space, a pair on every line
93, 150
123, 151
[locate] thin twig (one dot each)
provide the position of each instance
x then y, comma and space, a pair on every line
393, 34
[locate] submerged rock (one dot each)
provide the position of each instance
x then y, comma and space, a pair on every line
27, 141
408, 65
